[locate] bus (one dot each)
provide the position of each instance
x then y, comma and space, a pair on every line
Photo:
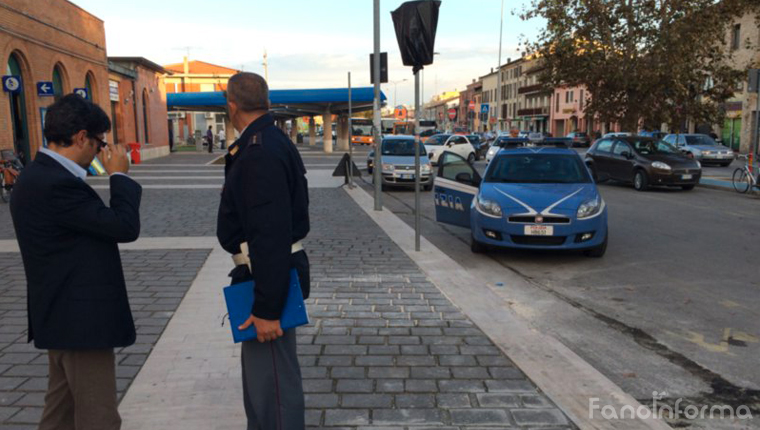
361, 131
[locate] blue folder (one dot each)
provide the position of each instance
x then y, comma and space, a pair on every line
240, 297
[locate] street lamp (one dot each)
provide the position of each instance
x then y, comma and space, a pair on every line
394, 90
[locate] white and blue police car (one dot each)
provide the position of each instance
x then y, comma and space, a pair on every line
533, 195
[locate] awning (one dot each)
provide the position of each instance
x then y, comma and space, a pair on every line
288, 103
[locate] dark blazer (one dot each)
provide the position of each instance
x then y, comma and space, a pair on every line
76, 294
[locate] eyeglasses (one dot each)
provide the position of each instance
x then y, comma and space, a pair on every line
101, 143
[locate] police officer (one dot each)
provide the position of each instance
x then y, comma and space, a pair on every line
263, 216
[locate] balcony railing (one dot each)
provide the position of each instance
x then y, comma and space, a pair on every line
533, 112
533, 89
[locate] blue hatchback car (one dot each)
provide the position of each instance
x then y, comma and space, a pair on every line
538, 196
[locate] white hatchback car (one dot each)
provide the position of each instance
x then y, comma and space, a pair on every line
439, 143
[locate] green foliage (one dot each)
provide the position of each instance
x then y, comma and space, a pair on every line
656, 61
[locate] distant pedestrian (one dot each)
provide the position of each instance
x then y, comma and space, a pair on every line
77, 302
222, 136
264, 209
210, 140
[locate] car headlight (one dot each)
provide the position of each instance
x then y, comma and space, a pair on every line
661, 166
388, 167
590, 208
488, 207
426, 168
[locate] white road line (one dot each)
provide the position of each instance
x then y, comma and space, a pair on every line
558, 371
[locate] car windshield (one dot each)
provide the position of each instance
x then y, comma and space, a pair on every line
648, 147
538, 169
700, 140
399, 147
438, 139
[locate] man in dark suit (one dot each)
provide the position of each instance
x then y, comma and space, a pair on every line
263, 216
76, 294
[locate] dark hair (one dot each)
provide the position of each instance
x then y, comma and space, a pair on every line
249, 91
72, 114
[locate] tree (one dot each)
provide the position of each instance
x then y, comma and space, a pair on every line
650, 61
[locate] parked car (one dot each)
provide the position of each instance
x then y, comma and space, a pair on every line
458, 144
618, 134
642, 161
397, 163
701, 147
653, 134
500, 142
527, 199
480, 145
580, 139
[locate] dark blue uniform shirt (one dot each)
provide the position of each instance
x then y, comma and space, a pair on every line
265, 202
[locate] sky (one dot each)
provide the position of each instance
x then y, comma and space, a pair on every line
312, 44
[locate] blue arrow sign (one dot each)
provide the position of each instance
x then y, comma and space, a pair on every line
81, 92
484, 108
11, 84
45, 89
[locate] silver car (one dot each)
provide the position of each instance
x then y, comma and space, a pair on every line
701, 147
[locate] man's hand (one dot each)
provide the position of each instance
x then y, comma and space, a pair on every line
266, 330
114, 159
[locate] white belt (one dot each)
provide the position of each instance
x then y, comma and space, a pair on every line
243, 256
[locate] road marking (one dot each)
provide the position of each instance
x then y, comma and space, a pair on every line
558, 371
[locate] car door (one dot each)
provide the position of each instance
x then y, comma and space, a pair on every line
621, 163
455, 186
601, 158
460, 146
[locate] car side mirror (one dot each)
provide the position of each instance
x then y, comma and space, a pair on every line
464, 177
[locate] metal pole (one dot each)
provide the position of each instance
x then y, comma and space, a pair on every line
350, 131
376, 106
757, 119
498, 70
417, 161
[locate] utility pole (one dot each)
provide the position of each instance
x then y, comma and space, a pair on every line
498, 70
266, 67
377, 123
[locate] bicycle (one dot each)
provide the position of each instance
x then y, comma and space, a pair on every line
8, 175
743, 179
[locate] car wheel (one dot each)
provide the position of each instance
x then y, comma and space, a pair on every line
687, 187
471, 158
477, 247
427, 187
640, 181
599, 251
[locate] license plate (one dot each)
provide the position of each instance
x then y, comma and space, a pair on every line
539, 230
407, 176
686, 177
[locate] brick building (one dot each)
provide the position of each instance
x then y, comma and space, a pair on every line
137, 97
47, 41
192, 77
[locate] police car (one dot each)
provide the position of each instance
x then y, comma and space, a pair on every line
534, 195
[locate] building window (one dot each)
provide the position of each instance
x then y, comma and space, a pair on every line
89, 85
58, 89
736, 37
146, 132
581, 100
18, 111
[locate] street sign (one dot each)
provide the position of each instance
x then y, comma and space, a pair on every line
81, 92
452, 114
383, 68
45, 89
113, 91
471, 105
400, 112
11, 84
754, 81
484, 109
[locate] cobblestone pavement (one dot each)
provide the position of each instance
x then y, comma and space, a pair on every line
387, 349
157, 281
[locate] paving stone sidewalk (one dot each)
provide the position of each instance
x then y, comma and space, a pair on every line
156, 280
389, 350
